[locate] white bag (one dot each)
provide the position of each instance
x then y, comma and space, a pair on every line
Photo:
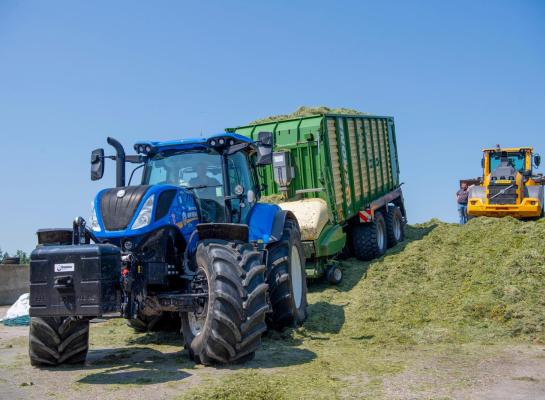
17, 314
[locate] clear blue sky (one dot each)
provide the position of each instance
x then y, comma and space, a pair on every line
457, 76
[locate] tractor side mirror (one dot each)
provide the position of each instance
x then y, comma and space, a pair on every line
537, 160
97, 164
264, 148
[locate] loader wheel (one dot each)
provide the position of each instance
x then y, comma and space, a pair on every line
395, 227
370, 240
227, 326
287, 279
165, 322
58, 340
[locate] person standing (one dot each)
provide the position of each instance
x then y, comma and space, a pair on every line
461, 199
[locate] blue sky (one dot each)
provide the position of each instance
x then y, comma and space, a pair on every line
457, 76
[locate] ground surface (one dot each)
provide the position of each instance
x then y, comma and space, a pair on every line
434, 319
135, 366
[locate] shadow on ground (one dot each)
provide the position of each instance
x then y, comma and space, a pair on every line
324, 317
145, 365
159, 338
131, 365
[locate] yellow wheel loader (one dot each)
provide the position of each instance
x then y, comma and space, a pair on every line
508, 186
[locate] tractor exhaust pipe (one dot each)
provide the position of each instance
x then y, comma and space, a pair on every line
119, 161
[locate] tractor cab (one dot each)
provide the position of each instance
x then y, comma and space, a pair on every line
184, 183
221, 197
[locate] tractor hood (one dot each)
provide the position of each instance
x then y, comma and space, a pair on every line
118, 205
138, 210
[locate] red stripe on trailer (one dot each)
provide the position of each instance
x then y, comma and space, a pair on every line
365, 216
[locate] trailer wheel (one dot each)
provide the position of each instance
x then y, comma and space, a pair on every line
370, 240
287, 279
334, 274
227, 326
58, 340
395, 227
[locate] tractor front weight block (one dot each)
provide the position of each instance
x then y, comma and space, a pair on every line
75, 280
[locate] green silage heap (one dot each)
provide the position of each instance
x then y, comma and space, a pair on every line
481, 282
305, 111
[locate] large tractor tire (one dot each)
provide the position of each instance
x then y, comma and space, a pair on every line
369, 241
229, 324
287, 279
395, 226
55, 340
166, 322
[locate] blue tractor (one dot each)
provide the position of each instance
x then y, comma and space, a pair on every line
191, 244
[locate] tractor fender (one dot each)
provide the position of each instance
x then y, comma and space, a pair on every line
278, 224
266, 222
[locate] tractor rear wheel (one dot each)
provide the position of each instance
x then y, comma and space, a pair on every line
228, 325
369, 240
395, 226
287, 279
58, 340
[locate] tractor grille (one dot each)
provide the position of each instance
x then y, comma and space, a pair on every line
504, 193
116, 211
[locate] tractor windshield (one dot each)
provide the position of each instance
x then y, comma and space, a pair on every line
201, 172
515, 159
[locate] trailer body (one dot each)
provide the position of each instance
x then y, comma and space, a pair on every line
349, 162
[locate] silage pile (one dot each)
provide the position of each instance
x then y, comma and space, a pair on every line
305, 111
481, 282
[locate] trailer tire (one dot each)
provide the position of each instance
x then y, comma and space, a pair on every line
228, 327
287, 279
370, 240
395, 226
58, 340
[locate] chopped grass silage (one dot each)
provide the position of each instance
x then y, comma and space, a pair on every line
305, 111
480, 282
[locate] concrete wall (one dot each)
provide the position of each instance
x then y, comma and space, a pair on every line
14, 281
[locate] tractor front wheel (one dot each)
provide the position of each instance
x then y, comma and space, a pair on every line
58, 340
228, 324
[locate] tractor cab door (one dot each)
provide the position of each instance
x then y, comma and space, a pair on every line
242, 185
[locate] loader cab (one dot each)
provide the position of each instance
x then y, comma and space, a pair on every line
498, 161
516, 160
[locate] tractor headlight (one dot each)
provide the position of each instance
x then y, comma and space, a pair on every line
94, 220
144, 216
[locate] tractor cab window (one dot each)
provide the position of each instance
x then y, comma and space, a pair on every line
515, 160
199, 171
